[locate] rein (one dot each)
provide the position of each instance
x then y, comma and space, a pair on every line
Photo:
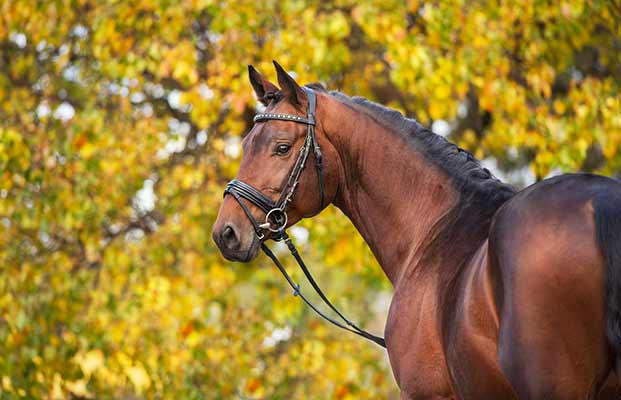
276, 215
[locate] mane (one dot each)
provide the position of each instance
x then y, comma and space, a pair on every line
466, 172
462, 230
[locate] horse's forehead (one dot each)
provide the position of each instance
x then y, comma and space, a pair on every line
257, 136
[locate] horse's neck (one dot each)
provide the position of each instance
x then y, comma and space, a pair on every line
390, 192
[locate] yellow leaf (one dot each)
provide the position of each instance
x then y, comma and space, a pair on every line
57, 392
78, 388
91, 361
139, 377
6, 383
216, 355
87, 150
559, 107
442, 92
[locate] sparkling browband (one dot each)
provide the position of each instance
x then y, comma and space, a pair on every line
284, 117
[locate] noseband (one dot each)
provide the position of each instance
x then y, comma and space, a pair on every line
276, 212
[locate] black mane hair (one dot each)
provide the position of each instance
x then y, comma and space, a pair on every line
470, 178
457, 236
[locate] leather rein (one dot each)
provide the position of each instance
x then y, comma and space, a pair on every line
276, 213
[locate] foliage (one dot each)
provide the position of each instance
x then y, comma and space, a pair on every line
120, 124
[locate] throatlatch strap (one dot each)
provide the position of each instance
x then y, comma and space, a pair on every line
312, 103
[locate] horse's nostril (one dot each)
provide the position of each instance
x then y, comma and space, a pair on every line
229, 237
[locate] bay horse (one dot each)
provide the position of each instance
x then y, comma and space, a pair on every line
498, 294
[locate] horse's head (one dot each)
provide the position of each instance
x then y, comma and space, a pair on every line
274, 173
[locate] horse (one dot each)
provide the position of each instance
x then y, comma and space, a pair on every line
498, 293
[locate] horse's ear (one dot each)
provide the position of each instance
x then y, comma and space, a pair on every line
261, 85
289, 87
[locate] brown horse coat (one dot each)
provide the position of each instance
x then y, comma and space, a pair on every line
497, 295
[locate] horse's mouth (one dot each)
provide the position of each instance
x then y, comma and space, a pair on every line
253, 250
243, 256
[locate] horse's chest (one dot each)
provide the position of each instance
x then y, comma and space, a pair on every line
414, 346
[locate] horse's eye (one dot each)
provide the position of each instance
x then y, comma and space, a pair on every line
283, 149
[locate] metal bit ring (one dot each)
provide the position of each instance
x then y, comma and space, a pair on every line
272, 219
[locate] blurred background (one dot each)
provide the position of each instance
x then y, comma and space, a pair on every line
121, 121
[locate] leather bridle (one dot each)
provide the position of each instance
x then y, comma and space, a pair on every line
276, 211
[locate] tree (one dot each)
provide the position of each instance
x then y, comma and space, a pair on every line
120, 124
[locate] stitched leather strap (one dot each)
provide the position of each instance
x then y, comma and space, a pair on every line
256, 197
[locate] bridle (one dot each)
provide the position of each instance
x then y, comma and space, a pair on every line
276, 212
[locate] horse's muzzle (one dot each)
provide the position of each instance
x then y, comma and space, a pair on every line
232, 243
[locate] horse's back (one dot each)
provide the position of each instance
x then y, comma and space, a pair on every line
551, 274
